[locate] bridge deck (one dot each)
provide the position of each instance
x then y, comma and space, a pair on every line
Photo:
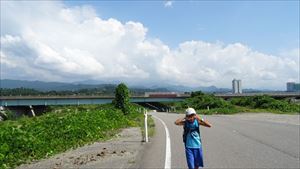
75, 100
78, 100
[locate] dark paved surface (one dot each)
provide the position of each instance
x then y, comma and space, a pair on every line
232, 142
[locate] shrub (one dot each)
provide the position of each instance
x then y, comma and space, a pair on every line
266, 102
122, 98
199, 100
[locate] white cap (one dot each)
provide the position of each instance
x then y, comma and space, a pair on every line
190, 111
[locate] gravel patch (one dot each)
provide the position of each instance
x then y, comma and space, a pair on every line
120, 152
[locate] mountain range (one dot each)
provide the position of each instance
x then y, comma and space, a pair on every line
88, 84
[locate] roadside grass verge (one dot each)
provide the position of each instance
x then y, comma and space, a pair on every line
141, 123
63, 128
151, 126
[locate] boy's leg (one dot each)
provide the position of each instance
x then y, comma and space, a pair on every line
190, 158
198, 155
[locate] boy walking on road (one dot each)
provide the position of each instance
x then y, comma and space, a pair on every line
191, 137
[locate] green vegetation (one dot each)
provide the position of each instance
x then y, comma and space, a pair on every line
103, 90
8, 115
63, 128
122, 97
151, 126
94, 91
18, 92
266, 102
202, 102
199, 100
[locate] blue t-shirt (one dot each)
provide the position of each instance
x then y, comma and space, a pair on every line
193, 137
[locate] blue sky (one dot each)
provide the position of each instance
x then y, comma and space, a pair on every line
267, 26
190, 43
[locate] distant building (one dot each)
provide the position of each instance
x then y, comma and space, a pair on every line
236, 86
292, 87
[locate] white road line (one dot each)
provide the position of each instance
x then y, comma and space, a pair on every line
168, 144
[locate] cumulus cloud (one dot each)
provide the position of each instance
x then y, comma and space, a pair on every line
53, 42
198, 62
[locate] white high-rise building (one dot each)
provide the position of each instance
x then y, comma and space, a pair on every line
236, 86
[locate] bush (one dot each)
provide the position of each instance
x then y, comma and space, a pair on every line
122, 98
266, 102
199, 100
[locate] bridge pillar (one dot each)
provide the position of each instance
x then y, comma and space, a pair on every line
32, 111
2, 114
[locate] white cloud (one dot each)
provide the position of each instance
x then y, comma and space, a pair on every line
168, 4
57, 43
198, 62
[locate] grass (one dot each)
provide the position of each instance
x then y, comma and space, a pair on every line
151, 126
257, 110
63, 128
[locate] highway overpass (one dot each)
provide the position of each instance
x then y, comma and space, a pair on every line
79, 100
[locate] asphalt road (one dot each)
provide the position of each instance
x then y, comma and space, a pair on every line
234, 141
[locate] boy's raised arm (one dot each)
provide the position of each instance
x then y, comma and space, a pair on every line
180, 121
203, 122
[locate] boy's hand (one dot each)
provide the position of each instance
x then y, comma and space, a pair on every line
180, 121
202, 121
198, 117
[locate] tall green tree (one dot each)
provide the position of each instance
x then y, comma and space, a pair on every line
122, 97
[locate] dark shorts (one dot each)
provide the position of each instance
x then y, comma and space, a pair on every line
194, 157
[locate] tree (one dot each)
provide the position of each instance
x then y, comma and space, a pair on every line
121, 100
197, 93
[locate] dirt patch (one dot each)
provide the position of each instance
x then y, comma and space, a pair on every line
120, 152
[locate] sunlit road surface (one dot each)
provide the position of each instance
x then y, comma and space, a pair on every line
234, 141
